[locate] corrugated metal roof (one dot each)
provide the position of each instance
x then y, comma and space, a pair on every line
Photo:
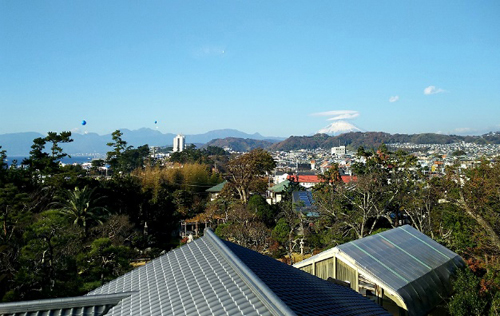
408, 262
214, 277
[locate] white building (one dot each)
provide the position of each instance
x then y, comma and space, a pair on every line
179, 143
338, 151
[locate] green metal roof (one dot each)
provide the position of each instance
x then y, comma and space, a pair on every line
280, 187
217, 188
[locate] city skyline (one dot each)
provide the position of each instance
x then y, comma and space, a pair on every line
279, 69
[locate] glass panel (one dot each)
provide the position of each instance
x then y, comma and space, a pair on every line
324, 269
408, 262
346, 273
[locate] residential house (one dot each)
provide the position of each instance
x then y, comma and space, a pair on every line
209, 276
216, 190
309, 181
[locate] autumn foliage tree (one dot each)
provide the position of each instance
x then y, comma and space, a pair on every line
247, 172
477, 192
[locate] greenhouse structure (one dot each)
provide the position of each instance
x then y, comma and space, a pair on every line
401, 267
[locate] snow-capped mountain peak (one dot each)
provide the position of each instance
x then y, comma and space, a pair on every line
339, 127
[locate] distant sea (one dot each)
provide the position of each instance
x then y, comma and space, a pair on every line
65, 160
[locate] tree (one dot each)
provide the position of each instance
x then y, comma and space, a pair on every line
361, 203
246, 172
418, 203
81, 207
119, 146
183, 201
116, 228
123, 158
189, 155
12, 209
458, 152
265, 212
103, 263
3, 164
214, 151
14, 218
48, 267
244, 228
331, 176
97, 164
43, 162
476, 191
281, 231
467, 298
382, 182
55, 139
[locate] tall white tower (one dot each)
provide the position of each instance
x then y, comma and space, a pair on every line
179, 143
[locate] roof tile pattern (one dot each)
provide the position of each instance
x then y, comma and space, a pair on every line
191, 280
97, 305
305, 294
214, 277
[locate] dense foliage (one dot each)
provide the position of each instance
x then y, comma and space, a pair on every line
65, 230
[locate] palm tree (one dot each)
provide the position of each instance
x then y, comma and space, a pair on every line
81, 207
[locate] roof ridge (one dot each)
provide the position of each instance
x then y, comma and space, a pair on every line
64, 303
261, 290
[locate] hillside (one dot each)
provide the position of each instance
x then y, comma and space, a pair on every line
375, 139
239, 144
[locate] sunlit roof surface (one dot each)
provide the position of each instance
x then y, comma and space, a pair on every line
408, 262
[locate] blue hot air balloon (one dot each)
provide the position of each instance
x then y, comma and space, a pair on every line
156, 122
84, 122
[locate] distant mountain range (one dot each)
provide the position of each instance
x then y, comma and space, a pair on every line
19, 144
375, 139
352, 140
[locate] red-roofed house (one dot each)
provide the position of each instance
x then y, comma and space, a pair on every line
308, 181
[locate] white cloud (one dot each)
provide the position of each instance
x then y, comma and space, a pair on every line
432, 90
394, 98
338, 115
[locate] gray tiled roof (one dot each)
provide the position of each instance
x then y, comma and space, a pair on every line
195, 279
304, 293
69, 306
214, 277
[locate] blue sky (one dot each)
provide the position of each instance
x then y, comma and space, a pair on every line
255, 66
